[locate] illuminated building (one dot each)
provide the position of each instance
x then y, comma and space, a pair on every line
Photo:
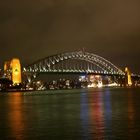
15, 70
6, 65
95, 81
129, 81
7, 71
82, 78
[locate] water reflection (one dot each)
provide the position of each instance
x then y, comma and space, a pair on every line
84, 115
107, 112
96, 115
15, 116
131, 115
93, 114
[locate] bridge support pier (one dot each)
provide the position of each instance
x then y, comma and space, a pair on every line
128, 77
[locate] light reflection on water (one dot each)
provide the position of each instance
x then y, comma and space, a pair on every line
131, 115
77, 114
15, 116
84, 115
96, 116
108, 114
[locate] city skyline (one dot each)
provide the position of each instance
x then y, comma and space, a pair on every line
31, 30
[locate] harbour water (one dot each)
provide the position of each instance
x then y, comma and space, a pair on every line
80, 114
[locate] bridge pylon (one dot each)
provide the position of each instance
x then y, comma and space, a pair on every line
128, 77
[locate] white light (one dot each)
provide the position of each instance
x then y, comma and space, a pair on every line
99, 85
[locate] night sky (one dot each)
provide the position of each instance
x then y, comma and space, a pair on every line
34, 29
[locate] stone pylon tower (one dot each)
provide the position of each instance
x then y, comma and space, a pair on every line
15, 70
128, 77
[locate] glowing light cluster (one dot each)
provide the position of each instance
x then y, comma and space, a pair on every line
16, 71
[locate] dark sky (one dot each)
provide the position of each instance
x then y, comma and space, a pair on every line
33, 29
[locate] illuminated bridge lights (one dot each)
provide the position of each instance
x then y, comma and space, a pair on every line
74, 62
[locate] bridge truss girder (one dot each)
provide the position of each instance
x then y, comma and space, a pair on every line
61, 63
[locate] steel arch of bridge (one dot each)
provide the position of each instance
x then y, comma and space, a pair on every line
93, 64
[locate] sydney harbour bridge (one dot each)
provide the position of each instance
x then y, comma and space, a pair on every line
74, 62
77, 62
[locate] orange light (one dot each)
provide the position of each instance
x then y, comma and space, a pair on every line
16, 71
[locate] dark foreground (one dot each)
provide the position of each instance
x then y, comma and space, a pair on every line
97, 114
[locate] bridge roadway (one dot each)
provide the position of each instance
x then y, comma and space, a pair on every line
77, 62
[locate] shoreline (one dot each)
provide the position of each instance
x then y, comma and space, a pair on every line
59, 91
